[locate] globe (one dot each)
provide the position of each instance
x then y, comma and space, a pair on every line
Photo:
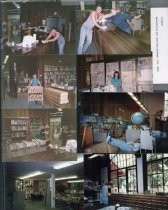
137, 118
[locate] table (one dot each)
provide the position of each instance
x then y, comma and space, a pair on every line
118, 42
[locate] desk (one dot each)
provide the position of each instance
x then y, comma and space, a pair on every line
38, 49
118, 42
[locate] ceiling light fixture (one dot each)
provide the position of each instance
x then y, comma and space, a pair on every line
93, 156
138, 102
68, 163
67, 177
76, 181
13, 2
33, 174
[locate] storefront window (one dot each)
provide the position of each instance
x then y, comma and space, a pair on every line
122, 180
157, 171
132, 182
123, 173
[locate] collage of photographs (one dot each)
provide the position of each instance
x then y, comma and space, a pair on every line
84, 105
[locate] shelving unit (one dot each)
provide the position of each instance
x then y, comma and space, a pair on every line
134, 7
101, 125
35, 124
19, 129
59, 75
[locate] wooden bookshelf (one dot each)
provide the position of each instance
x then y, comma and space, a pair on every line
60, 75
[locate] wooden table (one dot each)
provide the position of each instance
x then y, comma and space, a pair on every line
48, 155
118, 42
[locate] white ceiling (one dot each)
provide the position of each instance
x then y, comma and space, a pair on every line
18, 169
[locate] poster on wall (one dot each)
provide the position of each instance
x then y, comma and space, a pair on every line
128, 76
145, 74
97, 71
110, 69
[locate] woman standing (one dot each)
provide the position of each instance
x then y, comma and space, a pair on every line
116, 81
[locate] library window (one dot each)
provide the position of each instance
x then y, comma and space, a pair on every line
157, 173
123, 173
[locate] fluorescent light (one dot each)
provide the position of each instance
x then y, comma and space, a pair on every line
137, 101
36, 173
93, 156
62, 165
15, 4
131, 94
68, 163
67, 177
76, 181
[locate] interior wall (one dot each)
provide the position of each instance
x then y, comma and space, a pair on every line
113, 105
34, 12
153, 102
27, 113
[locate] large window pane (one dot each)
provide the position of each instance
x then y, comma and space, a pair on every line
157, 171
122, 184
132, 185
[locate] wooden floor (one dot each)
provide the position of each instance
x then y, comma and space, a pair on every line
49, 155
119, 42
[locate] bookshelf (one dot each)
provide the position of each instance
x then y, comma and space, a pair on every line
134, 7
101, 125
60, 75
35, 124
19, 129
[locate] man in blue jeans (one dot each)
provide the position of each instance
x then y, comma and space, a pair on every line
104, 194
129, 147
56, 36
86, 30
120, 19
